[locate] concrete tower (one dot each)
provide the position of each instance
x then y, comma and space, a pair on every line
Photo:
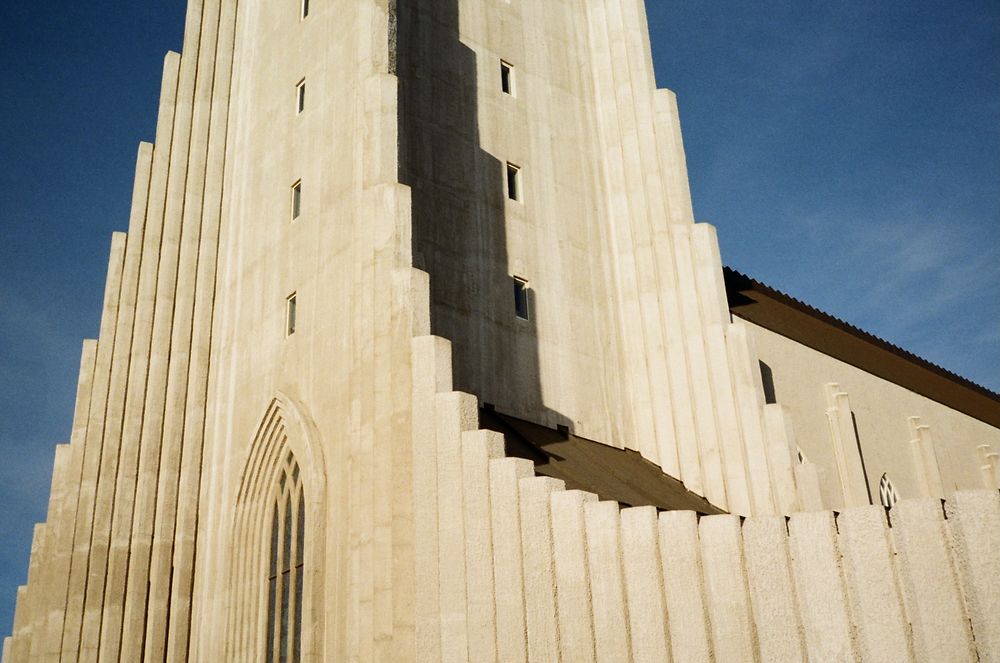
379, 249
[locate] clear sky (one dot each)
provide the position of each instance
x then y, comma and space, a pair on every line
848, 152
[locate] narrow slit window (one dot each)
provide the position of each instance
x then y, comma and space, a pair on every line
513, 182
521, 298
300, 96
506, 77
290, 313
305, 8
296, 200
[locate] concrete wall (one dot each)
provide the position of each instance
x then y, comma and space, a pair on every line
899, 432
573, 578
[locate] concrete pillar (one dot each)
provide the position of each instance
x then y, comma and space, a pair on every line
573, 597
505, 475
455, 413
726, 591
875, 597
925, 464
930, 586
92, 453
683, 587
604, 558
974, 517
126, 482
819, 585
644, 585
989, 468
807, 487
479, 447
772, 593
845, 447
779, 440
539, 573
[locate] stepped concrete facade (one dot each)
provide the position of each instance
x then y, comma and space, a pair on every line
413, 351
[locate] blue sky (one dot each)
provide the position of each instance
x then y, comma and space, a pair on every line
848, 152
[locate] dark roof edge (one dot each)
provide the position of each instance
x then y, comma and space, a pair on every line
763, 305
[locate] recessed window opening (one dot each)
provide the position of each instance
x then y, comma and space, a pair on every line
887, 494
285, 571
300, 96
521, 298
506, 77
296, 200
290, 314
305, 8
513, 182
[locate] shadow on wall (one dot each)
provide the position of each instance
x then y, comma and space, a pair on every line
459, 197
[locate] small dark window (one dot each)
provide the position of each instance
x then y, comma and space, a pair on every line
305, 8
300, 96
520, 298
767, 377
290, 314
296, 199
513, 182
506, 78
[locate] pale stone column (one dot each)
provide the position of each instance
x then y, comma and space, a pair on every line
875, 596
604, 556
726, 590
505, 475
644, 584
845, 447
925, 464
772, 593
573, 597
779, 438
539, 575
927, 573
687, 616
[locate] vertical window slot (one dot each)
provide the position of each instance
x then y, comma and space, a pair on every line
521, 298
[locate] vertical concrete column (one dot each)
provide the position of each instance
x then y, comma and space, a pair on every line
505, 475
161, 391
989, 468
117, 392
431, 365
711, 481
975, 525
455, 412
20, 633
875, 597
845, 447
644, 584
925, 463
539, 574
126, 482
683, 587
930, 585
779, 440
807, 487
743, 364
622, 252
573, 597
479, 447
92, 452
819, 585
772, 593
62, 552
7, 656
611, 634
726, 589
672, 158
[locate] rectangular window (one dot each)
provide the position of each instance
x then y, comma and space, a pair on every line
290, 315
520, 298
305, 8
296, 200
506, 78
513, 182
300, 96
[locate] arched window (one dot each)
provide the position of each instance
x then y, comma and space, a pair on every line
887, 492
284, 579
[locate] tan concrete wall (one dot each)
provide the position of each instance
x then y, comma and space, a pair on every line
889, 441
603, 583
